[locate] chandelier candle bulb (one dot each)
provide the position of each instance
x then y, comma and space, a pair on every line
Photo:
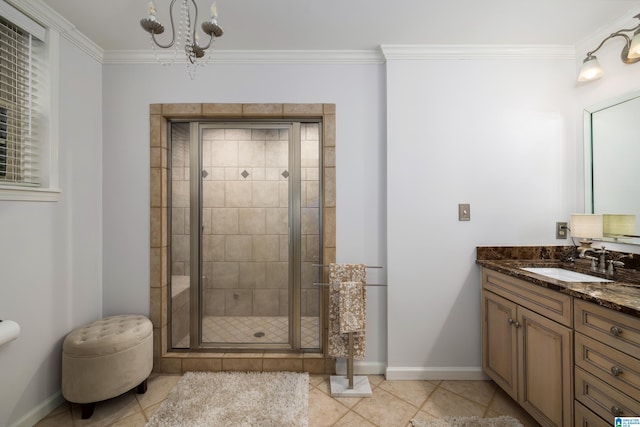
151, 8
214, 10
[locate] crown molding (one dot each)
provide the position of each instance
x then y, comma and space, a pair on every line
249, 56
417, 52
48, 17
386, 52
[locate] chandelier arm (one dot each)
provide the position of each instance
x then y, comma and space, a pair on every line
211, 37
195, 23
173, 40
173, 30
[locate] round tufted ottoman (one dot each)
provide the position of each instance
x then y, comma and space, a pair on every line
106, 358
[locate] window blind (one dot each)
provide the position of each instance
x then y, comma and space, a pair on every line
20, 72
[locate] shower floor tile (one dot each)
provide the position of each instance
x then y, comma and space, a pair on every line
255, 330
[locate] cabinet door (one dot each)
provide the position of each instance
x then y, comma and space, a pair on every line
499, 343
546, 369
586, 418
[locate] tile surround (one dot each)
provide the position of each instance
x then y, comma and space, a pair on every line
160, 114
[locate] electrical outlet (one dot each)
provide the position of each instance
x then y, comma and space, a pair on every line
561, 230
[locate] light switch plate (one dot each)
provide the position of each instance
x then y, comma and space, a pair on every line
464, 212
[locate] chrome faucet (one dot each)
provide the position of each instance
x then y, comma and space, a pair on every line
612, 265
616, 263
601, 267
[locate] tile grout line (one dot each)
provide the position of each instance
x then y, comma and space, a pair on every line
144, 415
493, 396
429, 397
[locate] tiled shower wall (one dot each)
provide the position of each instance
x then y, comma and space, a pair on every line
310, 216
245, 218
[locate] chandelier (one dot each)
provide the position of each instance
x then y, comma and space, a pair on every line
591, 69
185, 34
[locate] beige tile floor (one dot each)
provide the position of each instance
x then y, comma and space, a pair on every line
243, 329
393, 404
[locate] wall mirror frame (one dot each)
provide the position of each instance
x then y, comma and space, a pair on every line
611, 153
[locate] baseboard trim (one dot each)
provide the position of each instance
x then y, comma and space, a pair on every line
32, 417
360, 368
447, 373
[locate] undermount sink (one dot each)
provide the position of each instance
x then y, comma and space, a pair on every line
565, 275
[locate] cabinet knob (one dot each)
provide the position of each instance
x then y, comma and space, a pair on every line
616, 371
615, 331
616, 411
513, 322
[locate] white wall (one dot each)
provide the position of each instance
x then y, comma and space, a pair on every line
498, 134
356, 89
504, 135
51, 252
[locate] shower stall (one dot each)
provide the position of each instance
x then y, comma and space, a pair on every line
245, 233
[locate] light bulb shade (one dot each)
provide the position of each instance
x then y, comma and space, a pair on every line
619, 225
634, 48
590, 70
588, 226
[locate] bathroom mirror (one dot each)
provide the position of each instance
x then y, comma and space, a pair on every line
612, 152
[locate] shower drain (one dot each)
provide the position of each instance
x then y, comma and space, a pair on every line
258, 334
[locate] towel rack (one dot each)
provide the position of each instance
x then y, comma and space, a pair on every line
338, 284
337, 387
326, 265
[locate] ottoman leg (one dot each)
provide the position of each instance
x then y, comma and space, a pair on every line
142, 387
86, 410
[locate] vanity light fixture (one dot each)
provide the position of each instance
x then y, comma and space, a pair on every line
591, 69
186, 32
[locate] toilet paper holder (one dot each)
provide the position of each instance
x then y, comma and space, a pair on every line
9, 331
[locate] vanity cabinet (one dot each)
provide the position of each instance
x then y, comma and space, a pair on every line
527, 345
607, 359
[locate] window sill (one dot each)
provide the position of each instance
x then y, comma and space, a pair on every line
25, 194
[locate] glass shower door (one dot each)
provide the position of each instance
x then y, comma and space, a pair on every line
246, 277
245, 235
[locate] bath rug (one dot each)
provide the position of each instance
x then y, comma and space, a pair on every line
242, 399
503, 421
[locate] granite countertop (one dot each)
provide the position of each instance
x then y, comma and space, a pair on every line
622, 295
